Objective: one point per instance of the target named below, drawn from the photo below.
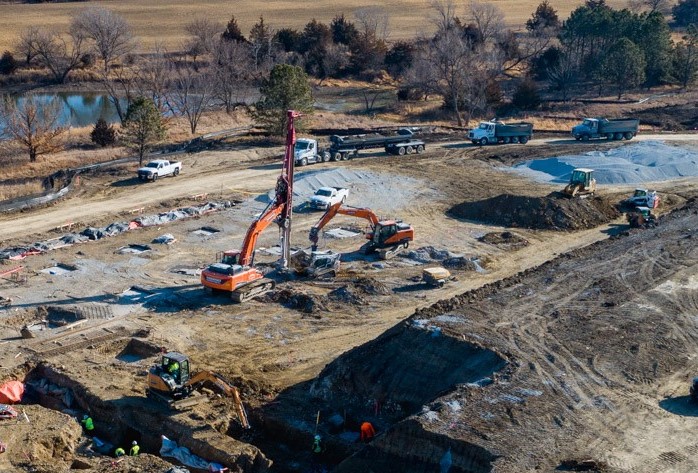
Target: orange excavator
(173, 382)
(235, 273)
(387, 237)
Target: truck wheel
(506, 140)
(523, 139)
(420, 149)
(336, 157)
(155, 177)
(609, 136)
(618, 136)
(176, 172)
(483, 142)
(628, 135)
(345, 156)
(409, 150)
(401, 151)
(304, 162)
(585, 137)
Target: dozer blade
(254, 289)
(194, 399)
(387, 253)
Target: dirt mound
(344, 295)
(505, 240)
(371, 286)
(552, 212)
(306, 303)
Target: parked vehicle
(307, 152)
(582, 183)
(611, 129)
(325, 197)
(644, 198)
(159, 168)
(499, 132)
(344, 147)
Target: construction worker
(119, 452)
(88, 423)
(173, 369)
(134, 449)
(317, 450)
(367, 432)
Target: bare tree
(110, 33)
(121, 84)
(372, 23)
(564, 74)
(488, 19)
(191, 93)
(27, 43)
(661, 6)
(232, 70)
(34, 126)
(205, 34)
(59, 54)
(444, 14)
(153, 78)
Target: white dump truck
(159, 168)
(326, 197)
(496, 131)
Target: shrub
(526, 96)
(88, 60)
(8, 65)
(103, 134)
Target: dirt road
(214, 173)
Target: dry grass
(12, 191)
(163, 20)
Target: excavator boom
(201, 377)
(338, 208)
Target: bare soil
(563, 350)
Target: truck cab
(484, 130)
(306, 152)
(587, 129)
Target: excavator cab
(231, 257)
(176, 365)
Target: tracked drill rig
(235, 273)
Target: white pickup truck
(159, 168)
(326, 197)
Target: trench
(120, 421)
(387, 382)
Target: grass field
(163, 20)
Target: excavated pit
(385, 382)
(122, 419)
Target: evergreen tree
(103, 134)
(287, 88)
(143, 126)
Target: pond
(76, 108)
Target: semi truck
(307, 152)
(401, 143)
(611, 129)
(496, 131)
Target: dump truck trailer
(611, 129)
(401, 143)
(499, 132)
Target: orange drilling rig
(235, 273)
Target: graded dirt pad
(553, 212)
(598, 345)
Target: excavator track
(254, 289)
(390, 252)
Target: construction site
(484, 315)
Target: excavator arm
(202, 377)
(338, 208)
(266, 218)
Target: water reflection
(76, 109)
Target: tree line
(472, 60)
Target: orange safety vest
(367, 431)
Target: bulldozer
(172, 381)
(582, 183)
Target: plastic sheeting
(92, 233)
(171, 449)
(11, 392)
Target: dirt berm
(597, 344)
(552, 212)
